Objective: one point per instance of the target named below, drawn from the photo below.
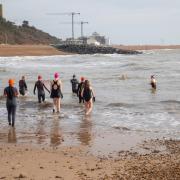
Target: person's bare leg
(90, 106)
(58, 104)
(54, 104)
(86, 106)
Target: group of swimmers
(83, 90)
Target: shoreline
(24, 161)
(47, 50)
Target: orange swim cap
(11, 82)
(82, 78)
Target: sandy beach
(147, 47)
(29, 50)
(29, 162)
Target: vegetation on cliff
(24, 34)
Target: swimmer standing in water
(56, 92)
(88, 96)
(40, 88)
(153, 82)
(22, 86)
(11, 94)
(74, 83)
(79, 90)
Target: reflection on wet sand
(12, 135)
(55, 133)
(85, 135)
(40, 133)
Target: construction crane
(72, 15)
(82, 23)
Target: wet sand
(32, 162)
(29, 50)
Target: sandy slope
(29, 50)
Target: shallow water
(128, 106)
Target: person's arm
(5, 92)
(60, 83)
(25, 85)
(82, 92)
(51, 85)
(78, 88)
(35, 88)
(16, 93)
(94, 98)
(46, 88)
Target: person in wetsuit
(40, 88)
(56, 92)
(88, 96)
(11, 93)
(22, 86)
(74, 83)
(79, 90)
(153, 82)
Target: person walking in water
(153, 82)
(88, 96)
(11, 93)
(79, 90)
(74, 83)
(22, 86)
(56, 92)
(40, 88)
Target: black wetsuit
(79, 91)
(74, 83)
(41, 93)
(87, 94)
(153, 85)
(56, 90)
(22, 87)
(11, 103)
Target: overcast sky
(123, 21)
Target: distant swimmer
(11, 94)
(40, 88)
(153, 82)
(56, 92)
(74, 83)
(22, 86)
(123, 77)
(79, 90)
(89, 97)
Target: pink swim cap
(56, 75)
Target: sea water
(121, 104)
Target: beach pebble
(3, 177)
(21, 175)
(58, 177)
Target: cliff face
(25, 34)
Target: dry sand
(147, 47)
(29, 50)
(41, 163)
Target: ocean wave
(170, 102)
(120, 105)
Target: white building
(97, 39)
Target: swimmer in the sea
(153, 82)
